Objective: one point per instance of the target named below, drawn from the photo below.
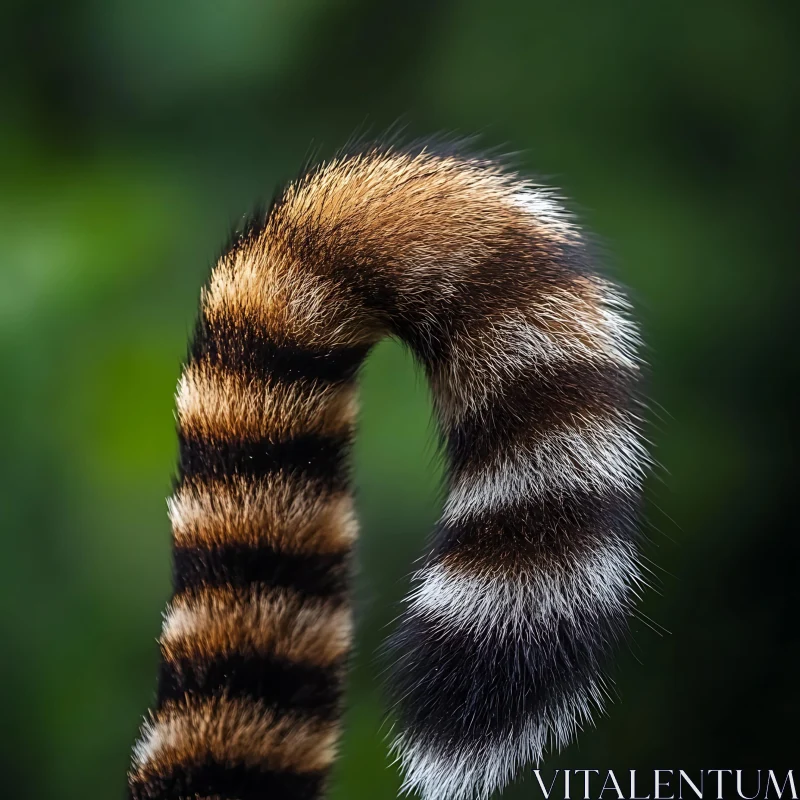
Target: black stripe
(242, 566)
(544, 528)
(228, 782)
(454, 688)
(432, 322)
(241, 345)
(535, 403)
(311, 455)
(277, 683)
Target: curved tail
(532, 568)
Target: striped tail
(532, 569)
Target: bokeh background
(134, 134)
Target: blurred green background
(134, 134)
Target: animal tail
(532, 569)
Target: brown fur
(279, 622)
(215, 403)
(238, 732)
(276, 511)
(361, 208)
